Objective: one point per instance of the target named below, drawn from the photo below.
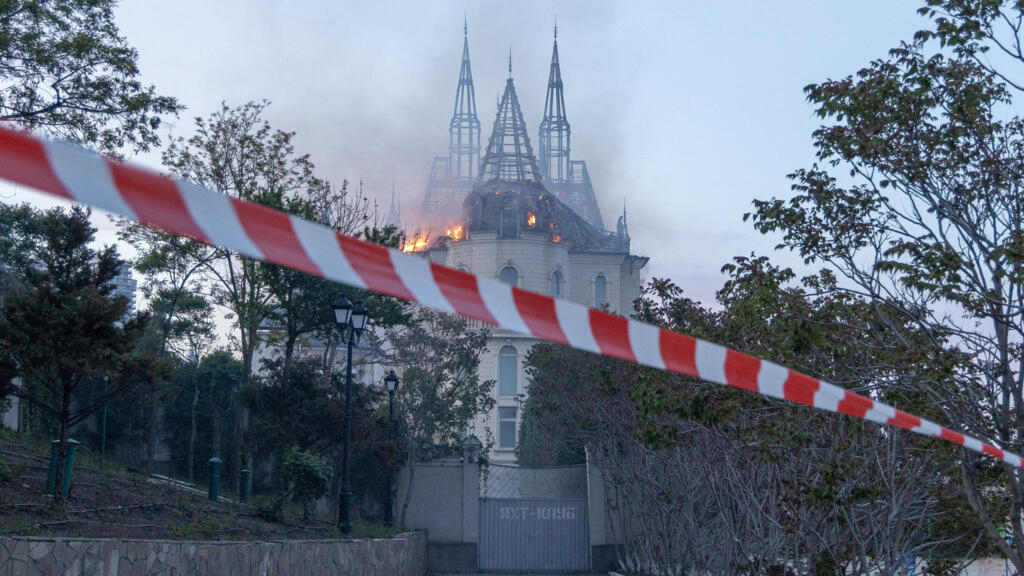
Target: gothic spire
(464, 131)
(394, 217)
(554, 127)
(509, 156)
(567, 178)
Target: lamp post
(391, 381)
(352, 320)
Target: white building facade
(514, 228)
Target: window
(508, 369)
(506, 427)
(509, 221)
(556, 283)
(509, 275)
(600, 291)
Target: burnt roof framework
(509, 156)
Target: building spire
(567, 178)
(509, 156)
(554, 132)
(464, 131)
(394, 217)
(452, 176)
(510, 61)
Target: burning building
(534, 226)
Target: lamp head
(342, 310)
(360, 318)
(391, 381)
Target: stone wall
(403, 555)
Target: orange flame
(556, 238)
(531, 219)
(454, 233)
(415, 245)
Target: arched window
(507, 371)
(509, 275)
(556, 282)
(600, 291)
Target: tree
(715, 480)
(188, 335)
(236, 152)
(927, 226)
(307, 475)
(62, 328)
(67, 70)
(440, 390)
(200, 424)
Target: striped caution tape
(273, 236)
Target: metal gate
(536, 535)
(534, 520)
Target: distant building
(535, 227)
(125, 285)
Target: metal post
(243, 493)
(214, 479)
(103, 425)
(345, 502)
(70, 466)
(389, 514)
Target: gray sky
(687, 109)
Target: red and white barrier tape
(260, 232)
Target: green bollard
(70, 466)
(214, 479)
(51, 475)
(243, 493)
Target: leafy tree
(62, 328)
(307, 475)
(236, 152)
(189, 336)
(67, 70)
(440, 391)
(924, 222)
(202, 427)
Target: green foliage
(308, 476)
(440, 391)
(915, 205)
(373, 530)
(270, 508)
(299, 405)
(62, 300)
(67, 70)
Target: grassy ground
(115, 502)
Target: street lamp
(391, 381)
(352, 320)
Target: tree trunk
(151, 432)
(216, 437)
(192, 430)
(62, 456)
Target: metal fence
(568, 482)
